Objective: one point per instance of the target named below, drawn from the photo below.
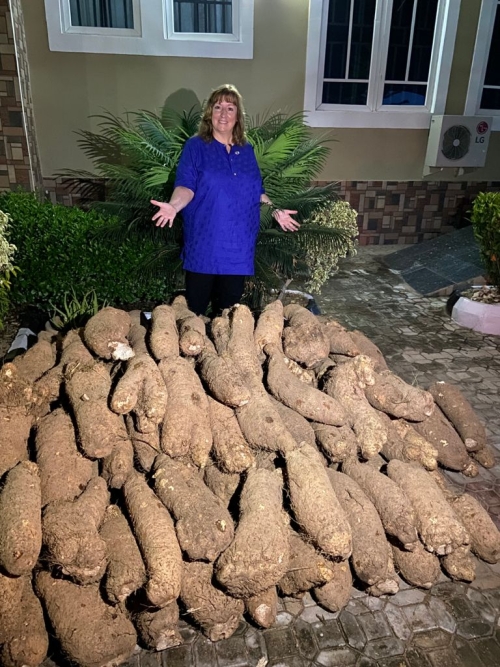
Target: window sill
(390, 120)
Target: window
(102, 14)
(199, 28)
(203, 16)
(378, 63)
(483, 96)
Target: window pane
(399, 40)
(102, 13)
(361, 39)
(207, 16)
(493, 69)
(423, 39)
(404, 93)
(345, 93)
(490, 98)
(413, 23)
(337, 39)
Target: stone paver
(451, 625)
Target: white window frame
(479, 64)
(389, 116)
(153, 33)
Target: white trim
(480, 62)
(153, 33)
(389, 116)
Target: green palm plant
(137, 156)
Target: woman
(218, 187)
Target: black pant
(223, 291)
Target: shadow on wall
(183, 100)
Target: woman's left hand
(284, 219)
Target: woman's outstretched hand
(165, 214)
(284, 219)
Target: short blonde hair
(225, 93)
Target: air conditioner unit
(458, 141)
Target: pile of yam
(173, 468)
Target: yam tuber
(263, 607)
(163, 336)
(370, 548)
(203, 525)
(120, 463)
(452, 453)
(460, 564)
(222, 377)
(158, 628)
(221, 484)
(389, 585)
(484, 535)
(215, 612)
(315, 505)
(345, 383)
(460, 413)
(230, 449)
(304, 339)
(106, 334)
(418, 567)
(304, 399)
(269, 327)
(70, 533)
(405, 444)
(64, 472)
(297, 425)
(484, 456)
(258, 556)
(368, 348)
(191, 328)
(36, 361)
(20, 519)
(392, 505)
(88, 387)
(26, 642)
(307, 568)
(125, 572)
(262, 425)
(141, 389)
(15, 427)
(395, 397)
(439, 529)
(90, 632)
(220, 332)
(340, 340)
(241, 346)
(186, 428)
(338, 443)
(335, 595)
(155, 534)
(146, 446)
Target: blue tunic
(221, 222)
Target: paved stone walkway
(453, 625)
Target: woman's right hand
(165, 215)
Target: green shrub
(486, 224)
(7, 269)
(59, 252)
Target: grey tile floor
(452, 625)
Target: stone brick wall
(389, 212)
(392, 212)
(19, 157)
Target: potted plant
(478, 308)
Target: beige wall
(69, 87)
